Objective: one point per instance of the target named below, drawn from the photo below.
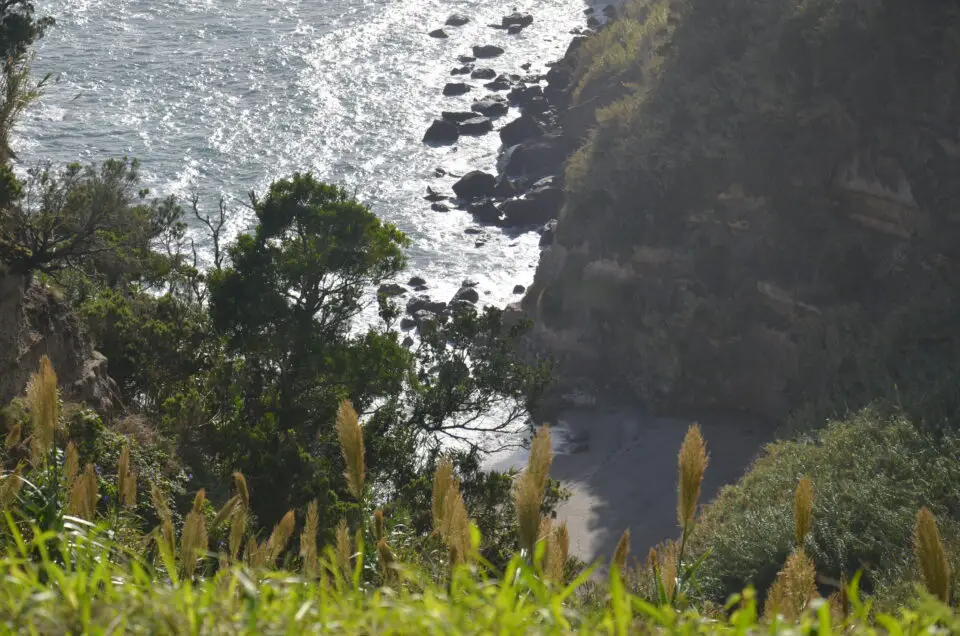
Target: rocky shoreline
(525, 193)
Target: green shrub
(870, 475)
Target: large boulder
(524, 93)
(490, 107)
(521, 20)
(457, 20)
(441, 131)
(458, 116)
(424, 303)
(391, 290)
(502, 83)
(486, 51)
(511, 161)
(536, 106)
(476, 126)
(485, 212)
(483, 74)
(456, 88)
(522, 128)
(523, 211)
(541, 204)
(475, 184)
(468, 294)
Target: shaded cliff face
(766, 213)
(33, 323)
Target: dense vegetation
(273, 464)
(77, 561)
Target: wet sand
(621, 467)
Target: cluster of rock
(527, 188)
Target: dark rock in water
(485, 212)
(517, 19)
(424, 303)
(438, 33)
(523, 94)
(504, 188)
(433, 195)
(407, 323)
(490, 107)
(536, 106)
(549, 197)
(420, 288)
(458, 116)
(473, 230)
(498, 84)
(610, 11)
(520, 129)
(439, 172)
(476, 126)
(526, 66)
(514, 30)
(416, 281)
(474, 185)
(461, 70)
(541, 204)
(424, 319)
(469, 282)
(408, 341)
(391, 290)
(441, 131)
(456, 88)
(457, 20)
(511, 161)
(466, 59)
(486, 51)
(593, 22)
(548, 233)
(479, 244)
(543, 157)
(589, 10)
(523, 211)
(483, 73)
(468, 294)
(439, 207)
(519, 289)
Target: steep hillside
(765, 214)
(33, 323)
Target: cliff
(764, 212)
(33, 323)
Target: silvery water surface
(218, 97)
(221, 96)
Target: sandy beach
(620, 466)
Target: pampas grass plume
(931, 555)
(351, 444)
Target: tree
(82, 218)
(285, 306)
(19, 29)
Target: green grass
(96, 591)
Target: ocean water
(218, 97)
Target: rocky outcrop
(34, 323)
(801, 251)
